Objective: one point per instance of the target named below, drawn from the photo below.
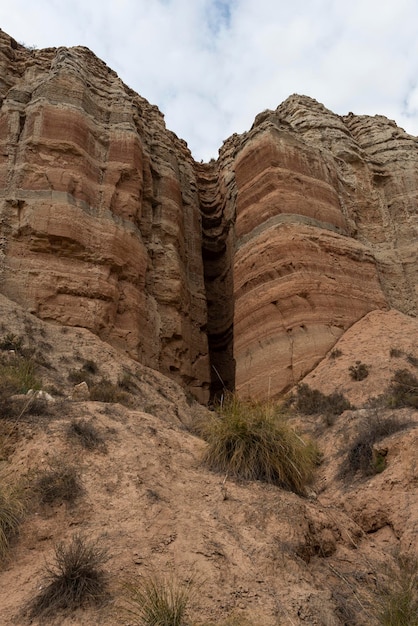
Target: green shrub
(11, 511)
(399, 599)
(252, 441)
(361, 457)
(312, 401)
(60, 482)
(158, 601)
(86, 434)
(74, 580)
(404, 389)
(359, 371)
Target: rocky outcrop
(100, 212)
(325, 232)
(241, 273)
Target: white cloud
(212, 65)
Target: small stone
(81, 391)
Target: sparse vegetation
(105, 391)
(60, 482)
(396, 353)
(90, 366)
(85, 374)
(403, 390)
(359, 371)
(17, 375)
(127, 382)
(253, 441)
(79, 376)
(86, 434)
(158, 601)
(361, 457)
(11, 342)
(413, 360)
(75, 579)
(7, 407)
(11, 511)
(312, 401)
(38, 406)
(399, 599)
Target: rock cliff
(242, 272)
(326, 227)
(100, 211)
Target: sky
(212, 65)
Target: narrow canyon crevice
(303, 225)
(217, 255)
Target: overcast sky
(212, 65)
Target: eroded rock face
(326, 228)
(241, 273)
(216, 190)
(100, 211)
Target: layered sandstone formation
(326, 226)
(99, 211)
(239, 273)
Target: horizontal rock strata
(326, 228)
(240, 273)
(100, 212)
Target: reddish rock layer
(326, 231)
(100, 211)
(260, 260)
(297, 289)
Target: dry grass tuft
(86, 434)
(253, 441)
(404, 389)
(312, 401)
(90, 366)
(11, 342)
(361, 457)
(159, 601)
(11, 512)
(359, 371)
(75, 579)
(399, 600)
(106, 391)
(60, 482)
(17, 375)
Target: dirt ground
(247, 550)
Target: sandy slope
(252, 549)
